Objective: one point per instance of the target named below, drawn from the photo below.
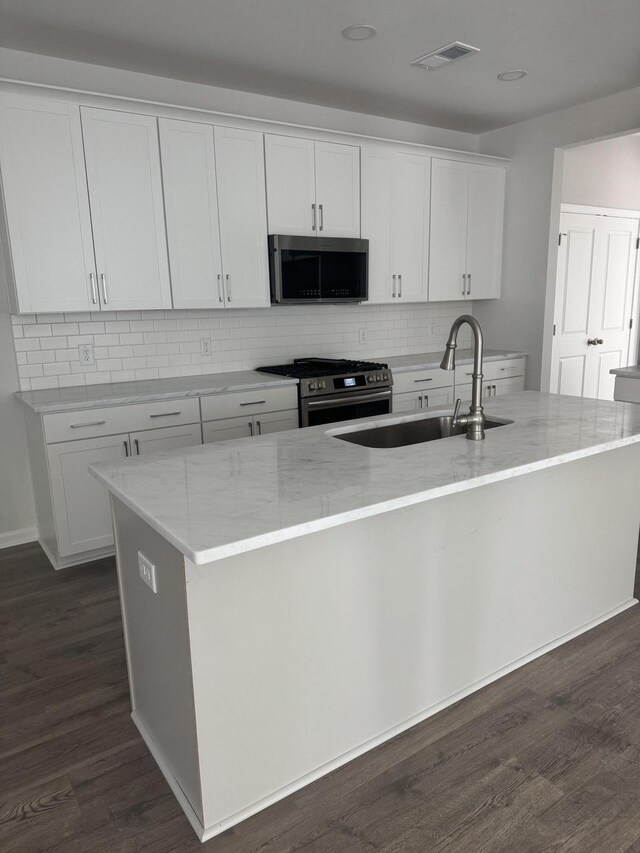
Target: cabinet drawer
(493, 369)
(89, 423)
(249, 403)
(421, 380)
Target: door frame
(552, 270)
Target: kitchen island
(314, 597)
(627, 383)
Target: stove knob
(312, 386)
(322, 384)
(369, 378)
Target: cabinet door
(484, 231)
(377, 177)
(243, 217)
(165, 438)
(46, 203)
(437, 397)
(291, 193)
(125, 192)
(275, 422)
(506, 386)
(449, 182)
(338, 189)
(80, 503)
(226, 429)
(410, 402)
(410, 226)
(191, 206)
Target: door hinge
(637, 242)
(631, 323)
(554, 329)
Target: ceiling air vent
(444, 55)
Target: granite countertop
(217, 500)
(631, 372)
(148, 390)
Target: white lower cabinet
(167, 438)
(500, 377)
(80, 503)
(414, 401)
(244, 427)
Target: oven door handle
(345, 400)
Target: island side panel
(158, 648)
(308, 652)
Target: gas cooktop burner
(310, 368)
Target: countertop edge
(242, 546)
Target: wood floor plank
(546, 760)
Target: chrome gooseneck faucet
(475, 420)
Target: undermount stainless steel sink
(417, 431)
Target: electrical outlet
(205, 346)
(86, 354)
(363, 336)
(147, 572)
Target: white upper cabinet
(191, 206)
(312, 187)
(122, 155)
(466, 231)
(243, 217)
(395, 220)
(49, 250)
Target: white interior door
(291, 185)
(47, 205)
(242, 208)
(127, 211)
(338, 189)
(594, 297)
(410, 226)
(191, 205)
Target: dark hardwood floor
(547, 759)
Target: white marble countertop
(122, 393)
(51, 400)
(631, 372)
(217, 500)
(402, 363)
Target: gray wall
(604, 174)
(532, 212)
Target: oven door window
(323, 275)
(348, 412)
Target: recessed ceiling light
(508, 76)
(359, 32)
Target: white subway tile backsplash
(133, 345)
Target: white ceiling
(574, 50)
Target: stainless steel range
(338, 389)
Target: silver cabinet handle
(420, 401)
(508, 368)
(394, 286)
(464, 284)
(469, 284)
(259, 425)
(426, 397)
(423, 380)
(321, 228)
(126, 448)
(313, 218)
(103, 282)
(228, 287)
(137, 446)
(94, 289)
(220, 296)
(254, 403)
(87, 424)
(250, 427)
(166, 414)
(400, 286)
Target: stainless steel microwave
(317, 269)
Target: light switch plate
(147, 572)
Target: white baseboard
(18, 537)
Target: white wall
(17, 513)
(604, 174)
(532, 211)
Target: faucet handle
(456, 410)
